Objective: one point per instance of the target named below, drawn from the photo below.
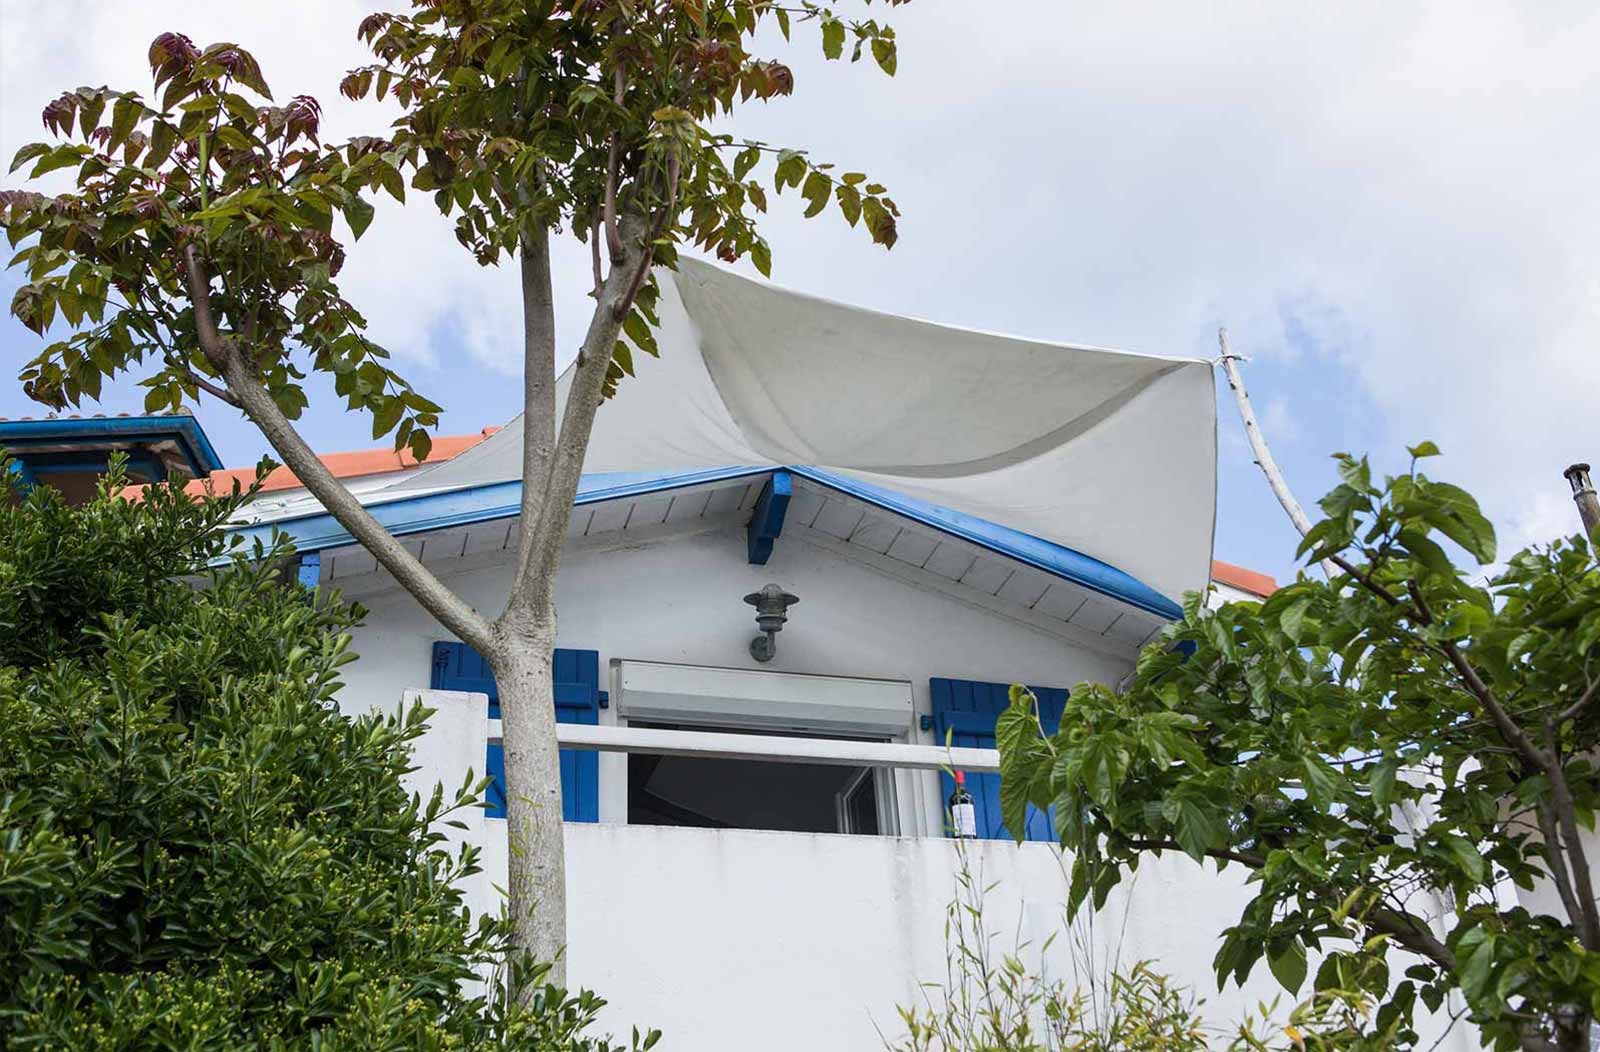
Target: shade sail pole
(1258, 446)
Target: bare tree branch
(538, 397)
(1578, 706)
(201, 383)
(257, 403)
(577, 422)
(1588, 917)
(1258, 444)
(1558, 865)
(663, 218)
(1364, 578)
(1413, 933)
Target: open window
(741, 793)
(717, 793)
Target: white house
(756, 844)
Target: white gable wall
(679, 598)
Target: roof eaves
(314, 530)
(183, 428)
(1055, 559)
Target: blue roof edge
(191, 437)
(318, 530)
(1055, 559)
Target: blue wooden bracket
(766, 522)
(311, 569)
(24, 475)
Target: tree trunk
(537, 884)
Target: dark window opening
(720, 793)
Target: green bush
(196, 850)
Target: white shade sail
(1108, 453)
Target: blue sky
(1390, 205)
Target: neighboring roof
(353, 464)
(1244, 580)
(67, 433)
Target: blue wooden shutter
(967, 711)
(457, 666)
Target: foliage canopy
(1392, 754)
(197, 850)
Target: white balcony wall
(791, 942)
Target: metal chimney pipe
(1583, 496)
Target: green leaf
(1195, 827)
(1355, 472)
(849, 203)
(1467, 854)
(883, 51)
(1014, 807)
(1287, 959)
(1381, 781)
(1423, 449)
(1292, 621)
(358, 213)
(1458, 517)
(1424, 550)
(124, 115)
(1321, 784)
(28, 153)
(1102, 763)
(389, 176)
(421, 444)
(59, 157)
(816, 192)
(1462, 620)
(745, 160)
(386, 415)
(761, 256)
(163, 137)
(832, 38)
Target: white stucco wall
(786, 941)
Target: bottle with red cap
(963, 813)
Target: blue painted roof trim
(316, 530)
(436, 511)
(1055, 559)
(191, 439)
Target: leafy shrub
(1395, 756)
(196, 850)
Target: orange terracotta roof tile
(352, 464)
(1251, 581)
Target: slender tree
(197, 247)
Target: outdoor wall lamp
(772, 605)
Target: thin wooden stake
(1258, 445)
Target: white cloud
(1408, 187)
